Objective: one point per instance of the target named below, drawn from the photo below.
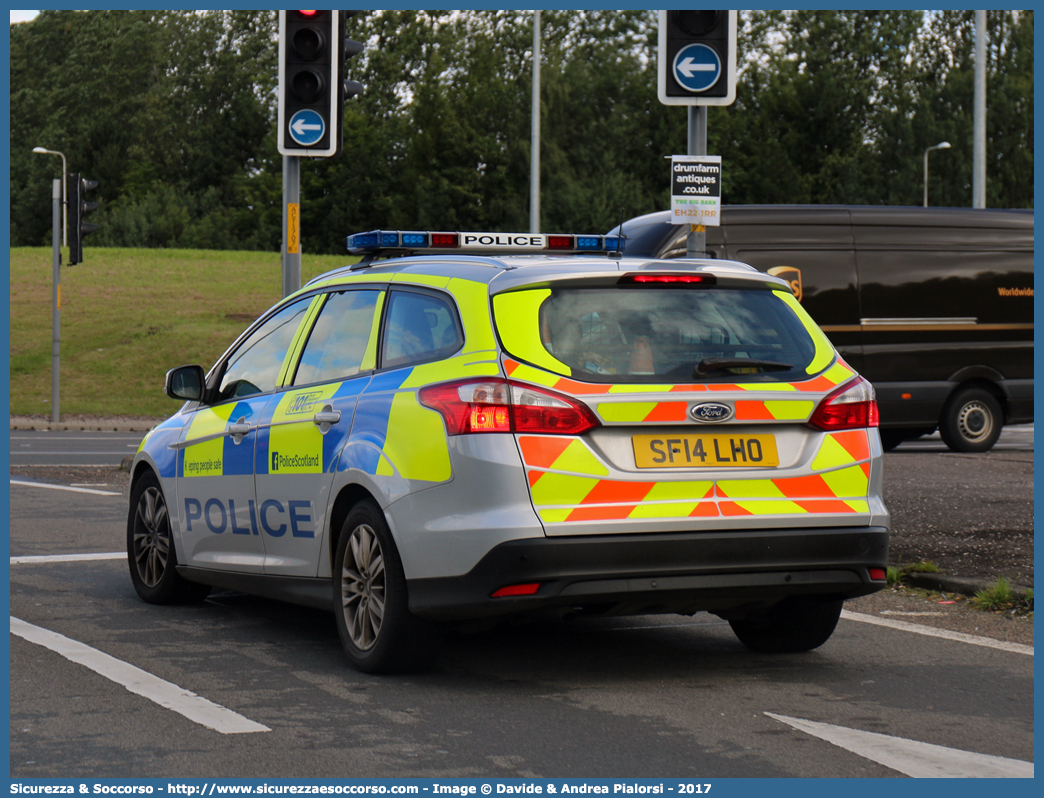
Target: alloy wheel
(363, 587)
(151, 537)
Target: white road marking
(111, 436)
(49, 453)
(911, 757)
(166, 694)
(921, 614)
(105, 555)
(65, 465)
(65, 487)
(932, 631)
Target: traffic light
(312, 88)
(75, 193)
(697, 57)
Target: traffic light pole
(291, 224)
(696, 242)
(56, 294)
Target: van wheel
(971, 421)
(150, 549)
(799, 623)
(378, 633)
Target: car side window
(254, 366)
(419, 328)
(337, 343)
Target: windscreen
(664, 334)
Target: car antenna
(618, 253)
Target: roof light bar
(377, 241)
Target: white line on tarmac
(53, 453)
(932, 631)
(911, 757)
(105, 555)
(65, 487)
(166, 694)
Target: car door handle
(238, 430)
(325, 418)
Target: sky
(23, 16)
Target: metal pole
(65, 198)
(65, 204)
(56, 294)
(696, 241)
(534, 160)
(291, 224)
(979, 116)
(926, 176)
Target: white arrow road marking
(688, 66)
(166, 694)
(931, 631)
(300, 126)
(65, 487)
(913, 758)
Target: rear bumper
(1020, 400)
(723, 571)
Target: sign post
(697, 68)
(56, 296)
(291, 224)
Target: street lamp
(65, 199)
(942, 146)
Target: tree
(152, 105)
(173, 113)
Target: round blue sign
(697, 67)
(307, 127)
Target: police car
(470, 426)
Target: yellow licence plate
(705, 451)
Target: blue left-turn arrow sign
(307, 127)
(697, 67)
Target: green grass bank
(129, 315)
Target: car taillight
(517, 590)
(498, 405)
(852, 406)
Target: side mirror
(185, 383)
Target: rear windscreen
(660, 335)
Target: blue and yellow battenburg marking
(162, 444)
(208, 450)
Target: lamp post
(58, 197)
(65, 199)
(534, 137)
(945, 145)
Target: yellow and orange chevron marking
(653, 412)
(567, 483)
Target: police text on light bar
(425, 241)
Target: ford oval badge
(710, 411)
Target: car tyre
(971, 421)
(371, 604)
(151, 555)
(799, 623)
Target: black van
(933, 305)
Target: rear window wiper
(709, 364)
